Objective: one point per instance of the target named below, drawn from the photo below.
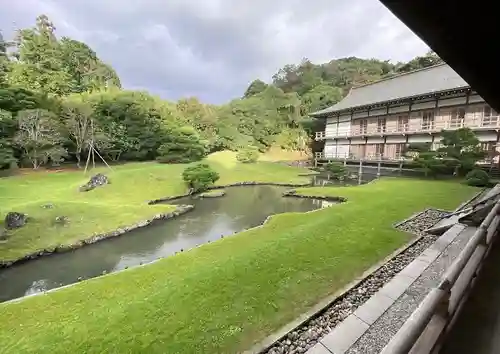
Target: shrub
(199, 177)
(337, 170)
(477, 178)
(248, 155)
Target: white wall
(344, 128)
(395, 139)
(335, 149)
(419, 138)
(331, 129)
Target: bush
(182, 145)
(477, 178)
(248, 155)
(337, 170)
(199, 177)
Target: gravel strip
(310, 332)
(386, 327)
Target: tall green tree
(461, 148)
(255, 87)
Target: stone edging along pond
(238, 184)
(180, 209)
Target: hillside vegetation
(57, 98)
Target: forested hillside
(57, 97)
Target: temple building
(376, 121)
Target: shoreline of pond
(179, 210)
(190, 207)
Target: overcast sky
(214, 48)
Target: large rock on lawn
(95, 181)
(15, 220)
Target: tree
(420, 62)
(182, 145)
(199, 177)
(461, 149)
(39, 63)
(255, 87)
(86, 71)
(337, 170)
(39, 137)
(428, 161)
(4, 61)
(7, 130)
(79, 121)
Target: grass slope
(122, 203)
(226, 295)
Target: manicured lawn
(122, 203)
(226, 295)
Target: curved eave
(396, 102)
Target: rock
(48, 206)
(213, 194)
(3, 234)
(15, 220)
(61, 220)
(95, 181)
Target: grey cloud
(214, 48)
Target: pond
(241, 208)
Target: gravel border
(311, 329)
(179, 210)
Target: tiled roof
(433, 79)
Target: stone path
(372, 325)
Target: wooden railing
(425, 327)
(369, 157)
(484, 123)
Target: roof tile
(432, 79)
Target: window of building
(363, 126)
(362, 151)
(403, 123)
(381, 125)
(400, 150)
(379, 150)
(428, 120)
(488, 146)
(457, 117)
(490, 117)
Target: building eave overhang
(395, 102)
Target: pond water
(241, 208)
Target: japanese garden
(141, 224)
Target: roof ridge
(398, 75)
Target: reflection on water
(241, 208)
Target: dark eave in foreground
(464, 34)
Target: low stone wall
(181, 209)
(238, 184)
(293, 193)
(304, 333)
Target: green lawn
(121, 203)
(229, 294)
